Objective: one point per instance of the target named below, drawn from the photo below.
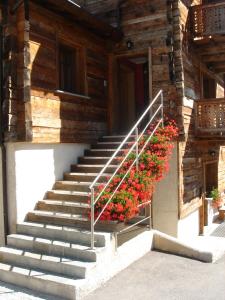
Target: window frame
(80, 68)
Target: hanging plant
(138, 186)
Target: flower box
(110, 226)
(212, 212)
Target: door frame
(202, 208)
(113, 92)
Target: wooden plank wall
(193, 153)
(61, 117)
(13, 104)
(162, 25)
(221, 170)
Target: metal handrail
(138, 153)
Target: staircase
(50, 252)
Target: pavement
(160, 276)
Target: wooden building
(74, 71)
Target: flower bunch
(134, 187)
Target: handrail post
(92, 217)
(137, 150)
(162, 112)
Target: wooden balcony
(207, 20)
(210, 118)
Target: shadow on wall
(32, 171)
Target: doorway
(208, 87)
(210, 183)
(133, 91)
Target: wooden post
(150, 73)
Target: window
(68, 69)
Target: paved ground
(160, 276)
(156, 276)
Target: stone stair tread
(108, 143)
(81, 183)
(53, 242)
(35, 273)
(95, 157)
(86, 173)
(47, 258)
(104, 150)
(115, 136)
(77, 217)
(96, 165)
(65, 203)
(62, 232)
(78, 193)
(61, 227)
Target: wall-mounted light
(130, 45)
(212, 153)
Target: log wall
(163, 26)
(34, 109)
(61, 117)
(193, 152)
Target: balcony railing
(210, 117)
(207, 20)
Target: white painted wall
(32, 169)
(2, 232)
(189, 226)
(165, 199)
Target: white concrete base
(172, 245)
(188, 227)
(165, 199)
(113, 262)
(32, 169)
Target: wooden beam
(214, 57)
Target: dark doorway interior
(133, 85)
(209, 88)
(211, 177)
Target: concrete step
(88, 177)
(63, 206)
(63, 195)
(116, 138)
(43, 282)
(57, 218)
(69, 185)
(110, 145)
(102, 152)
(65, 219)
(55, 264)
(92, 168)
(72, 186)
(52, 247)
(96, 160)
(61, 233)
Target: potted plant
(217, 200)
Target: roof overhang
(81, 17)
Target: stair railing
(154, 119)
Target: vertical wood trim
(150, 73)
(111, 79)
(202, 208)
(86, 91)
(57, 60)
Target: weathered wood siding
(193, 153)
(14, 79)
(61, 117)
(221, 170)
(163, 26)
